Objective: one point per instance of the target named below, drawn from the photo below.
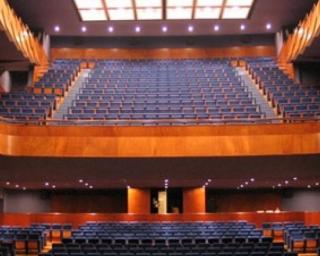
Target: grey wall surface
(301, 200)
(26, 201)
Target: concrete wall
(5, 81)
(26, 201)
(301, 200)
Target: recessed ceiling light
(252, 179)
(88, 4)
(166, 180)
(268, 26)
(317, 184)
(56, 28)
(46, 184)
(8, 183)
(190, 28)
(137, 29)
(53, 186)
(24, 188)
(110, 29)
(83, 28)
(216, 28)
(80, 180)
(164, 29)
(295, 178)
(309, 186)
(209, 180)
(86, 184)
(243, 27)
(128, 187)
(91, 187)
(206, 184)
(279, 185)
(17, 186)
(241, 186)
(286, 182)
(203, 186)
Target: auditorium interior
(160, 127)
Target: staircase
(256, 94)
(71, 95)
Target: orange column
(194, 200)
(139, 201)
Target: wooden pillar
(139, 201)
(194, 200)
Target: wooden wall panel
(139, 201)
(236, 140)
(78, 219)
(194, 200)
(163, 53)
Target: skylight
(104, 10)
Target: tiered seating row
(291, 99)
(58, 78)
(26, 106)
(163, 89)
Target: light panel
(121, 14)
(235, 12)
(148, 3)
(118, 3)
(179, 13)
(239, 2)
(210, 3)
(179, 3)
(149, 13)
(207, 13)
(93, 15)
(88, 4)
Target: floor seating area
(207, 238)
(17, 240)
(292, 100)
(297, 236)
(168, 238)
(191, 90)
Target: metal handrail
(158, 122)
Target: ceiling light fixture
(190, 28)
(268, 26)
(57, 28)
(84, 29)
(164, 29)
(243, 27)
(110, 29)
(137, 29)
(216, 28)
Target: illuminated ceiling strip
(117, 10)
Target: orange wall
(194, 200)
(163, 53)
(78, 219)
(139, 201)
